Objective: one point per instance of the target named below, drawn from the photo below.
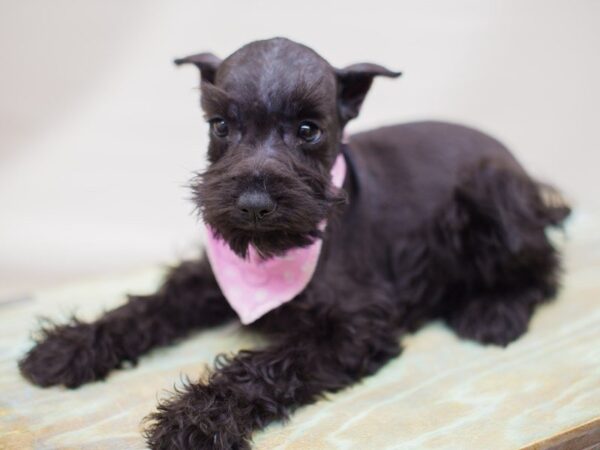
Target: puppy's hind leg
(76, 353)
(506, 265)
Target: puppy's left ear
(207, 63)
(353, 84)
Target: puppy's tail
(556, 208)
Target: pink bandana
(253, 286)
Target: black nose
(256, 204)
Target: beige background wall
(99, 132)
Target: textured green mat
(441, 393)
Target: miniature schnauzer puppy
(334, 247)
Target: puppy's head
(276, 112)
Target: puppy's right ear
(207, 63)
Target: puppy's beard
(288, 228)
(268, 244)
(304, 196)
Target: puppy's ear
(207, 63)
(353, 84)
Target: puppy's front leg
(247, 392)
(76, 353)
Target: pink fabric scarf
(254, 286)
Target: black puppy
(433, 221)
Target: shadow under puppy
(334, 249)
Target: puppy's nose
(256, 204)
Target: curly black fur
(76, 353)
(440, 222)
(328, 349)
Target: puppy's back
(414, 167)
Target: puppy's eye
(219, 127)
(309, 132)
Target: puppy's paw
(198, 417)
(69, 355)
(491, 321)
